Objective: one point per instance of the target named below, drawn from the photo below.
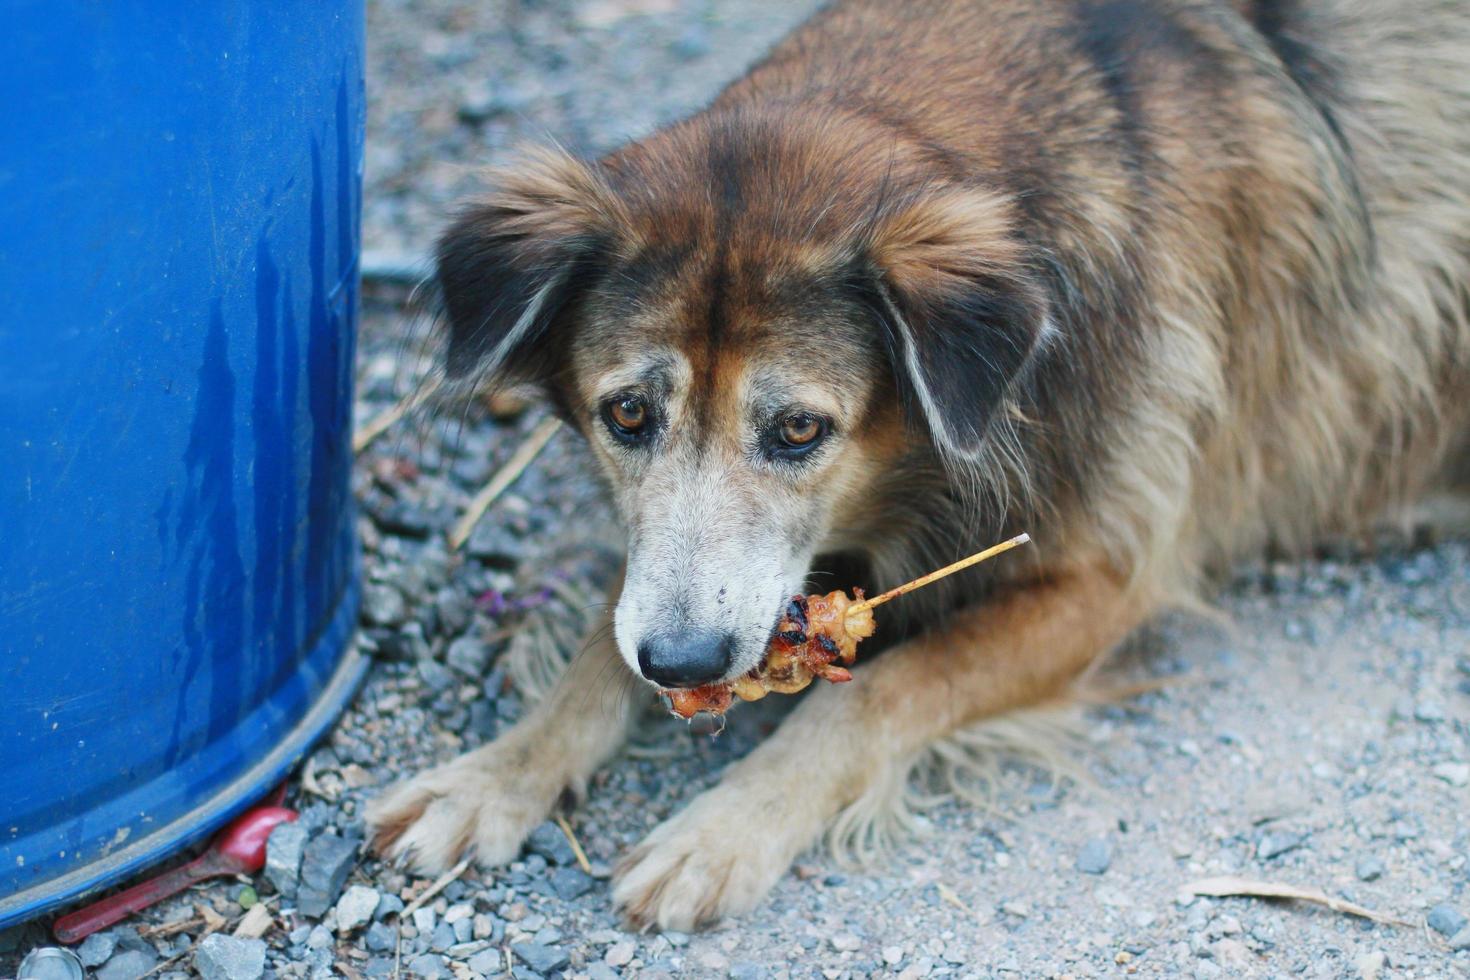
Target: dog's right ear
(514, 261)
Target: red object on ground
(239, 849)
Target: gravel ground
(1323, 741)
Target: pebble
(619, 954)
(283, 851)
(428, 965)
(1370, 965)
(96, 948)
(845, 942)
(570, 883)
(1095, 856)
(442, 938)
(388, 904)
(892, 955)
(128, 965)
(424, 918)
(1370, 868)
(1454, 773)
(381, 938)
(325, 865)
(487, 963)
(383, 604)
(1273, 844)
(320, 937)
(548, 841)
(437, 676)
(221, 957)
(542, 959)
(1446, 920)
(356, 907)
(1461, 939)
(469, 655)
(746, 970)
(1429, 712)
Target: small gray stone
(489, 963)
(469, 655)
(128, 965)
(1461, 939)
(464, 930)
(1429, 712)
(381, 938)
(1095, 856)
(96, 949)
(1276, 843)
(435, 674)
(324, 869)
(356, 907)
(442, 938)
(221, 957)
(1446, 920)
(548, 841)
(320, 937)
(428, 965)
(600, 971)
(283, 857)
(570, 883)
(747, 971)
(1370, 868)
(380, 967)
(389, 904)
(542, 959)
(383, 605)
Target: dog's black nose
(686, 659)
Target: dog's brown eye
(626, 417)
(796, 435)
(801, 429)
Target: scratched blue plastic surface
(179, 199)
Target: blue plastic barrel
(179, 198)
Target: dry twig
(386, 419)
(566, 828)
(440, 883)
(1230, 885)
(513, 468)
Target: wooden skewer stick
(513, 468)
(387, 418)
(923, 580)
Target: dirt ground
(1321, 739)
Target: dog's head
(752, 329)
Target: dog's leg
(488, 800)
(725, 851)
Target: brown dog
(1161, 282)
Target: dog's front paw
(487, 802)
(718, 857)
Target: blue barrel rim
(247, 789)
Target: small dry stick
(923, 580)
(507, 475)
(387, 418)
(1221, 887)
(566, 828)
(440, 883)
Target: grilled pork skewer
(816, 637)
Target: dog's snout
(686, 659)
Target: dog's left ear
(960, 312)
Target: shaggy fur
(1163, 282)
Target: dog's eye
(799, 433)
(626, 417)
